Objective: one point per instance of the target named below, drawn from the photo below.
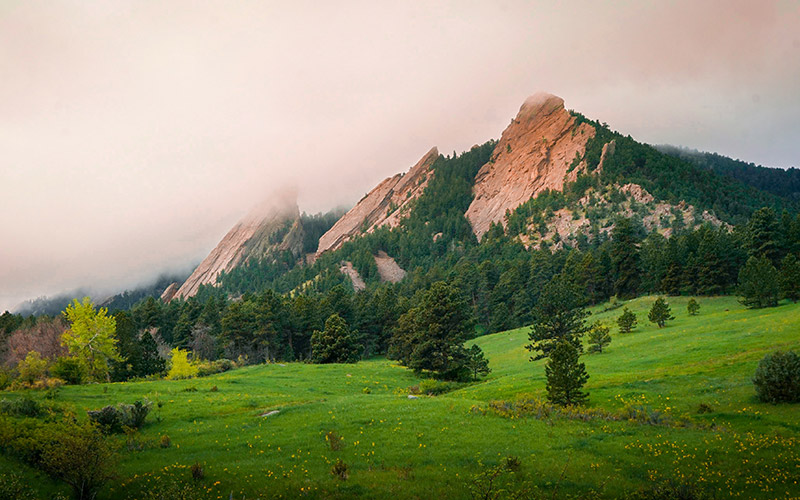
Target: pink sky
(133, 134)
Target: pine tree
(626, 321)
(660, 313)
(558, 315)
(336, 343)
(565, 375)
(693, 307)
(598, 337)
(759, 283)
(625, 256)
(477, 362)
(151, 362)
(761, 235)
(790, 278)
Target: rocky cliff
(272, 226)
(534, 153)
(386, 204)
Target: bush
(197, 471)
(23, 407)
(116, 418)
(434, 387)
(206, 368)
(165, 441)
(70, 370)
(777, 378)
(180, 366)
(334, 440)
(6, 377)
(32, 368)
(339, 470)
(13, 487)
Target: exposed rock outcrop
(347, 269)
(388, 269)
(253, 236)
(387, 204)
(170, 292)
(534, 153)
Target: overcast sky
(133, 134)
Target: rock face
(387, 204)
(534, 153)
(273, 225)
(346, 268)
(170, 292)
(388, 269)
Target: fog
(134, 134)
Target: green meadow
(266, 431)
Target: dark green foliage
(778, 181)
(557, 316)
(22, 407)
(565, 375)
(625, 257)
(70, 370)
(477, 362)
(693, 307)
(430, 337)
(673, 179)
(777, 378)
(626, 321)
(762, 235)
(759, 283)
(660, 313)
(598, 337)
(117, 418)
(336, 343)
(790, 278)
(13, 487)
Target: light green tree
(180, 366)
(91, 337)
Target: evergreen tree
(565, 375)
(660, 313)
(693, 307)
(790, 278)
(759, 283)
(598, 337)
(477, 362)
(625, 256)
(626, 321)
(336, 343)
(761, 235)
(431, 336)
(130, 349)
(151, 363)
(558, 315)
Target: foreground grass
(434, 446)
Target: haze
(134, 134)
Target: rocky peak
(272, 225)
(534, 153)
(386, 205)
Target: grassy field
(438, 446)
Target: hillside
(438, 446)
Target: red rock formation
(248, 238)
(387, 204)
(533, 154)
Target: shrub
(180, 366)
(6, 378)
(206, 368)
(197, 471)
(13, 487)
(23, 407)
(165, 441)
(70, 370)
(512, 463)
(32, 368)
(693, 307)
(115, 418)
(777, 378)
(214, 389)
(339, 470)
(434, 387)
(334, 440)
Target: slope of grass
(434, 446)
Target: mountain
(385, 205)
(270, 228)
(554, 178)
(533, 154)
(778, 181)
